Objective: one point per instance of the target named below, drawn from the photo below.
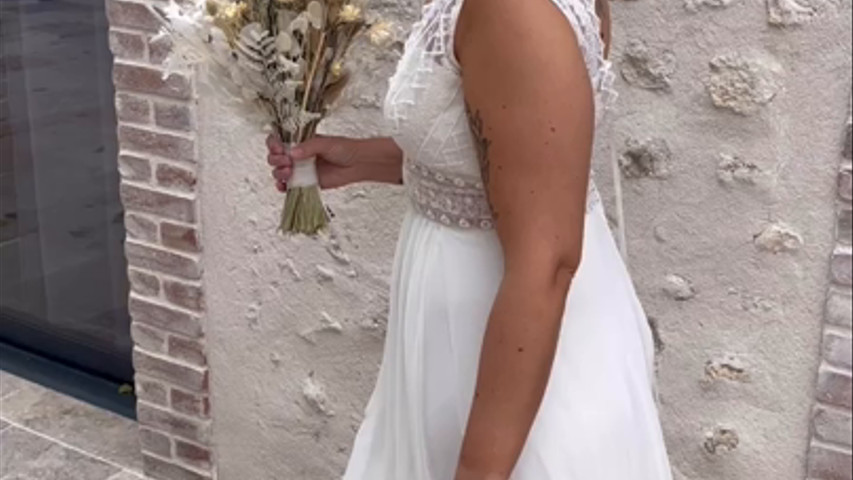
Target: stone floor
(45, 435)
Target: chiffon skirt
(598, 419)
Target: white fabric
(598, 420)
(304, 173)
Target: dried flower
(284, 42)
(212, 7)
(233, 11)
(337, 70)
(228, 17)
(300, 24)
(349, 14)
(381, 33)
(316, 13)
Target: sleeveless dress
(598, 419)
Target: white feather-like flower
(349, 13)
(381, 33)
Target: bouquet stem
(304, 212)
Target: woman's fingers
(312, 147)
(281, 186)
(277, 153)
(282, 174)
(279, 160)
(275, 145)
(336, 150)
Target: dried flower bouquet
(281, 62)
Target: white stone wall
(729, 127)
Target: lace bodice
(426, 106)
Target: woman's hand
(340, 161)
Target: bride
(516, 346)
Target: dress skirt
(598, 419)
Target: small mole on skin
(503, 107)
(553, 130)
(520, 349)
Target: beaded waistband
(454, 201)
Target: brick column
(157, 161)
(832, 426)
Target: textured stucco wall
(730, 213)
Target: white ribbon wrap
(304, 173)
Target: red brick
(139, 79)
(151, 391)
(192, 429)
(833, 426)
(189, 377)
(131, 15)
(844, 225)
(140, 228)
(839, 308)
(151, 339)
(188, 350)
(164, 318)
(845, 184)
(842, 266)
(156, 143)
(190, 404)
(826, 464)
(176, 117)
(183, 295)
(127, 46)
(157, 203)
(158, 49)
(143, 283)
(159, 469)
(134, 169)
(162, 261)
(133, 109)
(838, 350)
(835, 388)
(176, 178)
(193, 455)
(157, 260)
(155, 442)
(179, 237)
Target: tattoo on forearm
(482, 143)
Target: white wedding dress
(598, 420)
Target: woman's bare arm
(532, 112)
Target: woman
(509, 355)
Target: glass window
(63, 286)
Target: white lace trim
(434, 35)
(455, 200)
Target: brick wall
(832, 424)
(158, 166)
